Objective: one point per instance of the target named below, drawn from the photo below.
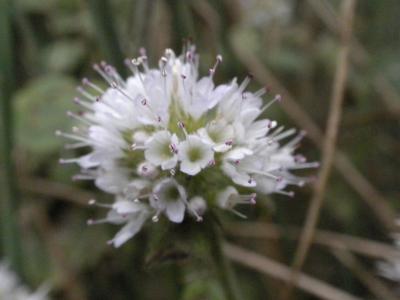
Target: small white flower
(169, 197)
(131, 213)
(219, 134)
(229, 198)
(161, 150)
(194, 155)
(148, 170)
(198, 205)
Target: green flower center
(194, 154)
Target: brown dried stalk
(375, 285)
(333, 240)
(277, 270)
(329, 145)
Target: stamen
(87, 82)
(173, 148)
(94, 202)
(181, 125)
(79, 118)
(75, 145)
(97, 68)
(214, 68)
(134, 147)
(305, 165)
(286, 193)
(239, 214)
(266, 106)
(86, 94)
(114, 85)
(285, 134)
(244, 84)
(164, 62)
(260, 92)
(267, 174)
(212, 163)
(146, 104)
(83, 177)
(296, 140)
(83, 103)
(271, 124)
(72, 136)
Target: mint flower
(169, 143)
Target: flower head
(166, 142)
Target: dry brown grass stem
(374, 285)
(372, 197)
(333, 240)
(277, 270)
(57, 190)
(329, 145)
(360, 55)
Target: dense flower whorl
(165, 141)
(11, 289)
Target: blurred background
(290, 46)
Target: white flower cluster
(165, 141)
(10, 289)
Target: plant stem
(8, 202)
(182, 22)
(225, 272)
(106, 33)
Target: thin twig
(52, 189)
(328, 150)
(356, 120)
(334, 240)
(277, 270)
(372, 197)
(376, 286)
(360, 55)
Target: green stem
(106, 33)
(139, 28)
(182, 21)
(225, 272)
(8, 187)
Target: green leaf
(203, 289)
(64, 56)
(40, 111)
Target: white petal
(88, 161)
(124, 207)
(190, 168)
(175, 211)
(129, 230)
(169, 164)
(238, 153)
(222, 147)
